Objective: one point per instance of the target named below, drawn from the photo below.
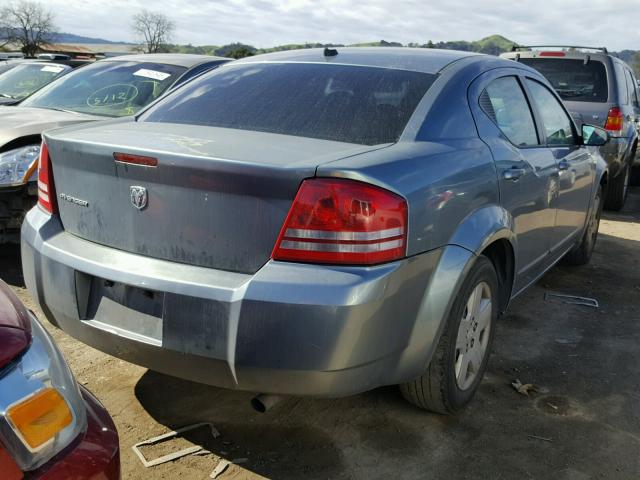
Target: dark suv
(597, 89)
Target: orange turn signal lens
(40, 417)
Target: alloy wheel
(473, 336)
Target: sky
(610, 23)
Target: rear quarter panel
(444, 184)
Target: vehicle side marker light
(39, 417)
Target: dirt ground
(584, 424)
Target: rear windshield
(353, 104)
(107, 88)
(574, 80)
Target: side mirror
(594, 136)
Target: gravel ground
(584, 423)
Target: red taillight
(46, 189)
(614, 120)
(338, 221)
(135, 159)
(551, 54)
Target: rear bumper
(96, 455)
(289, 328)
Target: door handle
(513, 173)
(563, 165)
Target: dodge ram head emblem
(139, 197)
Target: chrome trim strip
(346, 236)
(342, 247)
(43, 195)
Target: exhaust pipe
(264, 401)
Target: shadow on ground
(11, 270)
(583, 423)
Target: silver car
(109, 88)
(316, 222)
(597, 88)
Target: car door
(525, 168)
(575, 166)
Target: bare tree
(154, 30)
(27, 24)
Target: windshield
(107, 88)
(23, 80)
(353, 104)
(5, 66)
(573, 79)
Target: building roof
(65, 48)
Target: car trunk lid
(216, 198)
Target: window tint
(557, 124)
(343, 103)
(632, 87)
(573, 79)
(504, 102)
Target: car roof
(186, 60)
(425, 60)
(44, 63)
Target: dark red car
(50, 427)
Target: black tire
(437, 390)
(581, 254)
(635, 176)
(617, 190)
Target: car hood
(17, 122)
(15, 327)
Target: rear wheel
(617, 190)
(635, 176)
(581, 254)
(460, 359)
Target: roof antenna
(330, 52)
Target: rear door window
(631, 87)
(505, 103)
(573, 79)
(623, 90)
(344, 103)
(558, 127)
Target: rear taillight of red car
(46, 188)
(614, 121)
(339, 221)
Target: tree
(27, 24)
(154, 30)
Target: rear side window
(558, 127)
(632, 87)
(504, 102)
(623, 90)
(573, 79)
(353, 104)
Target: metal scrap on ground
(175, 455)
(574, 300)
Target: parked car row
(313, 222)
